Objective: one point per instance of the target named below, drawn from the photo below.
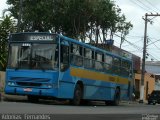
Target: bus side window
(116, 65)
(99, 61)
(108, 63)
(88, 54)
(126, 69)
(64, 57)
(76, 54)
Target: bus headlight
(11, 83)
(48, 85)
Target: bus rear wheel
(116, 97)
(108, 102)
(77, 95)
(32, 98)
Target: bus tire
(108, 102)
(32, 98)
(77, 95)
(154, 103)
(85, 102)
(116, 100)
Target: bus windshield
(33, 56)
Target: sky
(135, 10)
(3, 6)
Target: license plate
(27, 89)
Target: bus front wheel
(77, 95)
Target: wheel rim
(78, 96)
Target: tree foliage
(6, 26)
(95, 19)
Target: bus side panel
(104, 91)
(66, 90)
(124, 92)
(66, 85)
(100, 86)
(97, 90)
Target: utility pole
(144, 56)
(143, 61)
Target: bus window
(88, 54)
(116, 65)
(19, 56)
(44, 56)
(98, 62)
(75, 49)
(108, 63)
(32, 56)
(125, 68)
(76, 55)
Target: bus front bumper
(52, 92)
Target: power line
(145, 5)
(133, 42)
(132, 36)
(155, 58)
(153, 42)
(139, 49)
(135, 46)
(140, 6)
(152, 5)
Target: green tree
(73, 18)
(6, 27)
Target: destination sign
(40, 37)
(33, 37)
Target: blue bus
(46, 65)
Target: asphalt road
(93, 111)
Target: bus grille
(27, 79)
(29, 84)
